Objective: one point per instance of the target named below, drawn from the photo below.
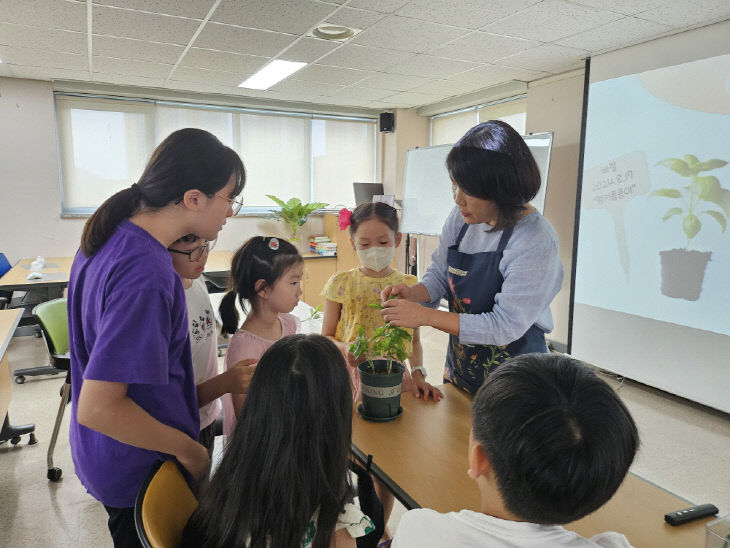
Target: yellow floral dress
(354, 291)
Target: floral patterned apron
(474, 281)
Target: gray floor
(685, 449)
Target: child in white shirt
(550, 443)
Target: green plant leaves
(709, 189)
(691, 226)
(672, 212)
(666, 192)
(294, 213)
(719, 217)
(711, 164)
(678, 166)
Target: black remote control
(689, 514)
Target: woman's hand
(195, 460)
(238, 377)
(402, 291)
(420, 388)
(404, 313)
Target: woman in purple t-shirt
(134, 400)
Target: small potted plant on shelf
(683, 269)
(381, 372)
(294, 213)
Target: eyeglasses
(235, 204)
(194, 255)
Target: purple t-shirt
(128, 323)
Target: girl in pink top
(265, 272)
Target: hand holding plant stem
(700, 189)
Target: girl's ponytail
(102, 224)
(228, 313)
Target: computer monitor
(364, 192)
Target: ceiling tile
(395, 82)
(365, 57)
(626, 7)
(483, 47)
(360, 94)
(289, 16)
(301, 89)
(308, 50)
(685, 13)
(490, 75)
(331, 75)
(551, 20)
(146, 69)
(431, 66)
(548, 57)
(45, 13)
(127, 48)
(354, 18)
(126, 80)
(143, 26)
(404, 33)
(615, 34)
(241, 40)
(34, 37)
(196, 9)
(412, 98)
(45, 73)
(215, 77)
(33, 57)
(383, 6)
(223, 60)
(471, 14)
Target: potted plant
(683, 269)
(294, 213)
(381, 373)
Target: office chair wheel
(20, 379)
(32, 440)
(15, 440)
(54, 474)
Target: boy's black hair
(493, 162)
(259, 258)
(559, 439)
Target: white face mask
(376, 258)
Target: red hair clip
(274, 244)
(344, 218)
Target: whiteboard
(427, 198)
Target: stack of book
(322, 245)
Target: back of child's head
(259, 258)
(288, 456)
(374, 210)
(559, 439)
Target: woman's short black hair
(493, 162)
(559, 439)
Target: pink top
(245, 345)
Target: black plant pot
(683, 272)
(380, 391)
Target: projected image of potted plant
(294, 213)
(683, 269)
(381, 373)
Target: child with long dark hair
(133, 392)
(283, 481)
(266, 273)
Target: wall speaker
(387, 122)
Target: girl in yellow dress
(374, 236)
